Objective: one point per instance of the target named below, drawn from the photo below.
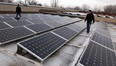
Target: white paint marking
(60, 36)
(8, 25)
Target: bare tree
(45, 5)
(77, 8)
(110, 9)
(39, 4)
(54, 3)
(21, 2)
(26, 2)
(97, 9)
(9, 1)
(32, 2)
(85, 7)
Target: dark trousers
(18, 14)
(88, 26)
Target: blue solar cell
(103, 32)
(102, 40)
(3, 26)
(6, 19)
(18, 23)
(75, 27)
(39, 27)
(42, 46)
(96, 55)
(12, 34)
(54, 24)
(37, 21)
(81, 24)
(65, 32)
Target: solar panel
(75, 27)
(60, 20)
(21, 19)
(81, 24)
(56, 17)
(54, 24)
(102, 40)
(103, 32)
(3, 26)
(4, 15)
(6, 19)
(63, 20)
(37, 21)
(42, 46)
(65, 32)
(39, 27)
(35, 17)
(67, 19)
(103, 24)
(75, 19)
(96, 55)
(47, 19)
(18, 23)
(12, 34)
(11, 15)
(102, 27)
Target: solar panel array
(18, 23)
(76, 27)
(56, 31)
(8, 19)
(54, 24)
(102, 40)
(48, 42)
(102, 35)
(39, 27)
(42, 46)
(36, 21)
(99, 51)
(33, 22)
(65, 32)
(4, 26)
(96, 55)
(12, 34)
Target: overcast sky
(73, 3)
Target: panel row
(8, 35)
(96, 55)
(97, 52)
(12, 34)
(42, 46)
(103, 40)
(102, 35)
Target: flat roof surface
(65, 56)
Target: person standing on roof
(18, 11)
(89, 18)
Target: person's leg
(16, 15)
(20, 14)
(88, 27)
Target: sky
(80, 3)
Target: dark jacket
(18, 9)
(90, 18)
